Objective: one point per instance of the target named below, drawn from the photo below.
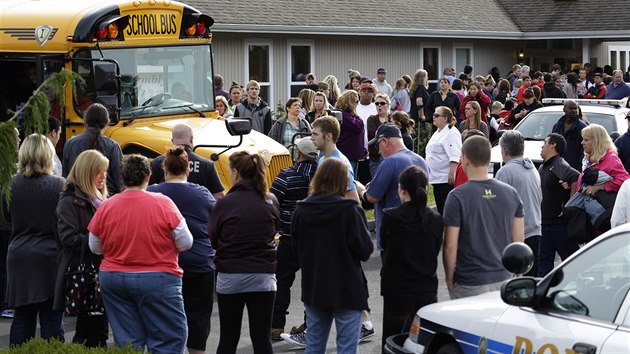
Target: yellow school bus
(149, 62)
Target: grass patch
(38, 345)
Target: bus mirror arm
(236, 127)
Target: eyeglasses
(380, 103)
(435, 115)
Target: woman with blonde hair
(472, 114)
(333, 89)
(443, 153)
(400, 97)
(351, 137)
(335, 289)
(84, 192)
(32, 252)
(600, 153)
(320, 107)
(222, 106)
(306, 97)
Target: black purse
(82, 288)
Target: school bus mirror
(111, 103)
(238, 126)
(105, 78)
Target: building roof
(489, 19)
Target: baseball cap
(368, 85)
(307, 148)
(385, 131)
(310, 75)
(381, 71)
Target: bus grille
(278, 162)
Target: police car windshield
(538, 125)
(160, 80)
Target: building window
(430, 60)
(258, 59)
(619, 57)
(300, 62)
(462, 56)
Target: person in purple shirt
(351, 138)
(218, 87)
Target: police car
(582, 307)
(611, 114)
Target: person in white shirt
(366, 106)
(621, 210)
(443, 152)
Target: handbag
(82, 288)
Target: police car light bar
(615, 103)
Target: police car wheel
(451, 348)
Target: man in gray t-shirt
(481, 218)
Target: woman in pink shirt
(140, 235)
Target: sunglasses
(380, 103)
(435, 115)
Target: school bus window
(179, 75)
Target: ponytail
(414, 180)
(251, 166)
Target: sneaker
(366, 333)
(299, 329)
(298, 339)
(276, 332)
(7, 313)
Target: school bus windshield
(157, 81)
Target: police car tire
(451, 348)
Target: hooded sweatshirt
(330, 238)
(521, 174)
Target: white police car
(581, 307)
(611, 114)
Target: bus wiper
(533, 139)
(190, 106)
(136, 112)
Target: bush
(42, 346)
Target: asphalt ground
(372, 272)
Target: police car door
(585, 305)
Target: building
(277, 42)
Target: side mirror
(107, 87)
(519, 291)
(338, 115)
(238, 126)
(518, 258)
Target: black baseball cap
(385, 131)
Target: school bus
(149, 62)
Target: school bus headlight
(201, 29)
(112, 31)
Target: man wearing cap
(311, 82)
(382, 191)
(289, 187)
(598, 90)
(381, 82)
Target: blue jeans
(554, 239)
(347, 323)
(25, 322)
(146, 309)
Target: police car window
(605, 120)
(595, 283)
(538, 125)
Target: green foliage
(41, 346)
(35, 120)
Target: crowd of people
(166, 236)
